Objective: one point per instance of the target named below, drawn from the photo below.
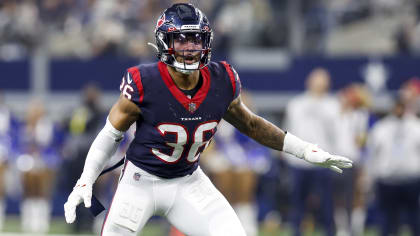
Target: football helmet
(183, 23)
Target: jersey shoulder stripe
(135, 73)
(234, 79)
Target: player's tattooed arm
(254, 126)
(123, 114)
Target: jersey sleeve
(234, 79)
(131, 86)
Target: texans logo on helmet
(160, 21)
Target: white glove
(82, 192)
(104, 146)
(313, 154)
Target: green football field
(154, 228)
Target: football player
(177, 104)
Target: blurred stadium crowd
(92, 28)
(41, 157)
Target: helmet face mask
(188, 50)
(183, 38)
(186, 37)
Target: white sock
(33, 213)
(358, 218)
(43, 208)
(247, 215)
(41, 215)
(341, 220)
(25, 214)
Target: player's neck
(184, 81)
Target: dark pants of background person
(312, 181)
(393, 199)
(343, 193)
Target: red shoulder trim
(231, 75)
(135, 72)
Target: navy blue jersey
(173, 130)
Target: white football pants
(191, 203)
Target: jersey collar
(194, 103)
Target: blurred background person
(234, 163)
(409, 94)
(352, 128)
(312, 115)
(394, 166)
(8, 125)
(83, 124)
(37, 162)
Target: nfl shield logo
(191, 107)
(136, 176)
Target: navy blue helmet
(183, 22)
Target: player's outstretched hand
(317, 156)
(82, 192)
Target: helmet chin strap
(186, 72)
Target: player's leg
(200, 209)
(245, 181)
(43, 208)
(2, 192)
(132, 205)
(224, 180)
(342, 196)
(298, 198)
(324, 187)
(358, 214)
(389, 207)
(28, 204)
(411, 194)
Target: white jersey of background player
(177, 104)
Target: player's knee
(226, 224)
(112, 229)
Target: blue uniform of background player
(177, 104)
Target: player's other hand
(82, 192)
(317, 156)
